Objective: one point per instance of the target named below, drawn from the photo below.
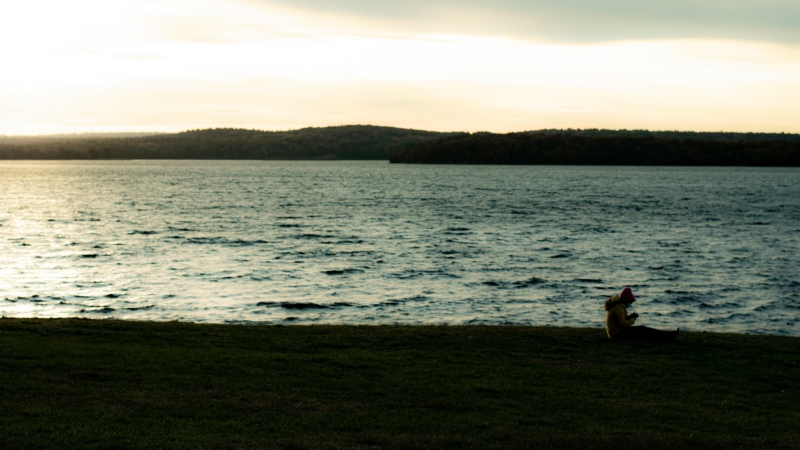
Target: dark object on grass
(646, 334)
(619, 324)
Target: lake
(303, 242)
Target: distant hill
(341, 142)
(608, 147)
(591, 146)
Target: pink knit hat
(626, 296)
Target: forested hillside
(343, 142)
(609, 147)
(721, 136)
(604, 147)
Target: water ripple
(367, 242)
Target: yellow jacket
(616, 316)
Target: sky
(76, 66)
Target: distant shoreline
(397, 145)
(356, 142)
(598, 149)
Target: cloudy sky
(470, 65)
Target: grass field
(117, 384)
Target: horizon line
(137, 134)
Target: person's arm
(622, 320)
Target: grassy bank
(100, 384)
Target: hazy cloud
(138, 57)
(579, 20)
(470, 65)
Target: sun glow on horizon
(94, 66)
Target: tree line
(366, 142)
(342, 142)
(603, 147)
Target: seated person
(619, 324)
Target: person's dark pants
(645, 334)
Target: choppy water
(713, 249)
